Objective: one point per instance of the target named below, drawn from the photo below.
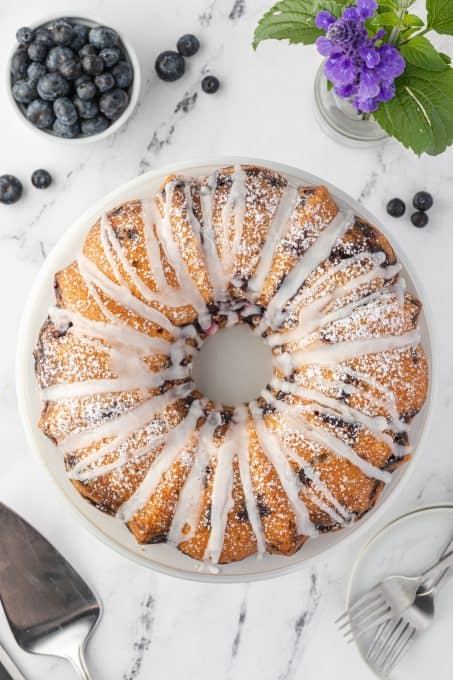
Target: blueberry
(423, 200)
(92, 64)
(41, 179)
(40, 113)
(396, 207)
(70, 69)
(86, 50)
(20, 62)
(37, 51)
(51, 86)
(80, 36)
(58, 56)
(62, 32)
(10, 189)
(188, 45)
(210, 84)
(44, 35)
(170, 65)
(110, 56)
(65, 110)
(93, 126)
(123, 74)
(24, 36)
(419, 219)
(114, 103)
(66, 131)
(86, 108)
(85, 88)
(102, 36)
(24, 91)
(104, 82)
(35, 71)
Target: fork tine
(383, 618)
(358, 603)
(377, 641)
(389, 645)
(361, 621)
(355, 614)
(399, 650)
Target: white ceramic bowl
(162, 557)
(134, 90)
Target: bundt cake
(154, 278)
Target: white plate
(409, 545)
(162, 557)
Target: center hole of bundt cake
(233, 366)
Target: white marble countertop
(155, 626)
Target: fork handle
(78, 662)
(438, 568)
(434, 584)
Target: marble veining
(155, 626)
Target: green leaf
(389, 18)
(420, 52)
(440, 16)
(420, 116)
(335, 7)
(412, 20)
(446, 58)
(291, 20)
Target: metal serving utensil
(50, 608)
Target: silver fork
(393, 638)
(387, 600)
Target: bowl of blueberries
(73, 79)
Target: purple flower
(340, 69)
(367, 105)
(387, 91)
(324, 19)
(358, 68)
(370, 55)
(366, 8)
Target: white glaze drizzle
(288, 478)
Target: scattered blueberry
(86, 50)
(123, 74)
(80, 36)
(41, 179)
(62, 32)
(92, 64)
(423, 200)
(112, 104)
(35, 71)
(188, 45)
(40, 113)
(20, 62)
(87, 108)
(58, 56)
(43, 35)
(37, 51)
(104, 82)
(65, 110)
(396, 207)
(419, 219)
(70, 69)
(110, 56)
(24, 91)
(66, 131)
(102, 36)
(93, 126)
(24, 36)
(85, 88)
(210, 84)
(52, 85)
(10, 189)
(170, 65)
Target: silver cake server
(49, 607)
